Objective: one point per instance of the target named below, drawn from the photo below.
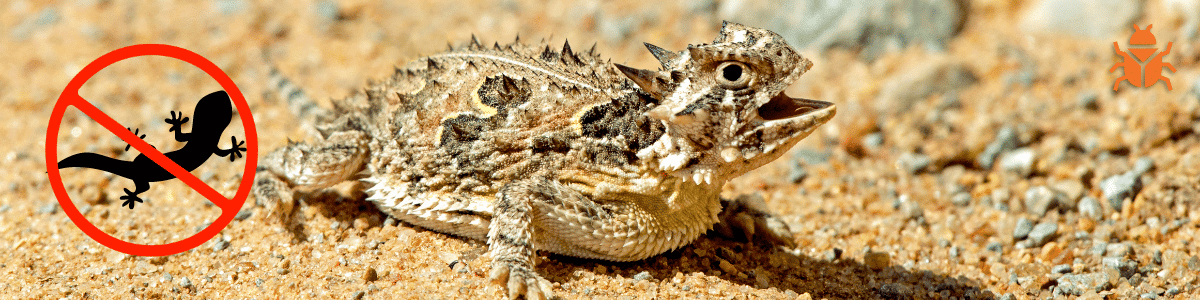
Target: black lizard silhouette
(212, 113)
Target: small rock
(1040, 199)
(954, 251)
(1019, 161)
(1126, 267)
(1149, 296)
(370, 275)
(220, 244)
(1091, 208)
(797, 174)
(1073, 189)
(911, 209)
(48, 209)
(894, 291)
(1077, 284)
(1088, 100)
(876, 260)
(1008, 296)
(913, 162)
(643, 275)
(185, 283)
(1143, 165)
(1116, 250)
(1006, 139)
(727, 267)
(358, 295)
(1061, 269)
(390, 222)
(243, 215)
(995, 247)
(873, 140)
(1042, 233)
(1116, 188)
(1022, 229)
(833, 254)
(1171, 292)
(961, 199)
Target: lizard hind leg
(131, 197)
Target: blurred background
(961, 125)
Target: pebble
(1078, 284)
(644, 275)
(390, 222)
(1088, 100)
(1019, 161)
(370, 274)
(876, 260)
(961, 199)
(48, 209)
(1042, 233)
(833, 254)
(1061, 269)
(727, 267)
(1118, 187)
(1006, 139)
(185, 283)
(797, 173)
(1149, 296)
(243, 215)
(911, 209)
(220, 244)
(1126, 267)
(1091, 208)
(1040, 199)
(1099, 248)
(1116, 250)
(873, 140)
(811, 157)
(995, 246)
(913, 162)
(1022, 229)
(358, 295)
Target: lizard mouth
(783, 107)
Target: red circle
(70, 96)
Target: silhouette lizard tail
(99, 162)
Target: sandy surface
(867, 225)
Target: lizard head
(723, 104)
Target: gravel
(1077, 284)
(1019, 161)
(1090, 207)
(913, 162)
(1005, 140)
(1043, 233)
(1022, 229)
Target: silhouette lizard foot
(130, 199)
(235, 152)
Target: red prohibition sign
(70, 97)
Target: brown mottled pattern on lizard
(530, 148)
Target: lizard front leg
(510, 240)
(176, 122)
(747, 216)
(305, 167)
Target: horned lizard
(528, 148)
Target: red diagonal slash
(70, 97)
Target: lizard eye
(733, 75)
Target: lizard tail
(303, 107)
(99, 162)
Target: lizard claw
(130, 199)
